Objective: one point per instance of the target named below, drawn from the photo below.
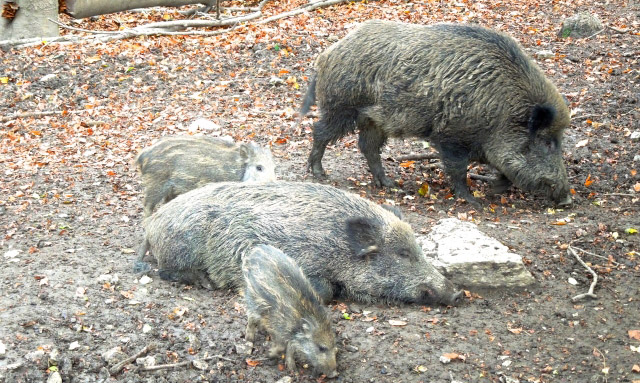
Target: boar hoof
(383, 181)
(140, 267)
(317, 171)
(565, 202)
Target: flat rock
(471, 259)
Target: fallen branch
(181, 364)
(414, 157)
(118, 367)
(590, 293)
(183, 24)
(623, 31)
(46, 113)
(306, 8)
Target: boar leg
(189, 277)
(456, 159)
(500, 185)
(140, 266)
(252, 327)
(289, 359)
(320, 142)
(371, 140)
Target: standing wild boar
(347, 245)
(176, 165)
(281, 300)
(470, 91)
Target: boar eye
(322, 349)
(404, 253)
(259, 168)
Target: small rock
(286, 379)
(54, 377)
(572, 281)
(332, 38)
(35, 355)
(351, 348)
(147, 361)
(545, 54)
(200, 364)
(370, 329)
(113, 356)
(74, 345)
(145, 280)
(11, 253)
(583, 24)
(113, 279)
(54, 357)
(203, 124)
(275, 81)
(506, 363)
(635, 135)
(3, 350)
(146, 328)
(444, 359)
(244, 349)
(48, 77)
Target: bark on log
(30, 20)
(86, 8)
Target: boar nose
(332, 374)
(456, 298)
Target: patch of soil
(71, 211)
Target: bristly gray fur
(472, 92)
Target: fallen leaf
(588, 181)
(420, 369)
(424, 190)
(252, 362)
(635, 368)
(630, 230)
(634, 334)
(407, 164)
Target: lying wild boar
(470, 91)
(346, 245)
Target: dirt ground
(71, 206)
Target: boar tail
(309, 97)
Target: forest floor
(71, 205)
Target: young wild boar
(281, 300)
(176, 165)
(347, 246)
(470, 91)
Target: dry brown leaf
(252, 362)
(634, 334)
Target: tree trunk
(87, 8)
(30, 20)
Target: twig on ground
(618, 30)
(118, 367)
(69, 27)
(590, 293)
(596, 255)
(45, 113)
(620, 194)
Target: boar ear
(393, 209)
(541, 118)
(364, 236)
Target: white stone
(11, 253)
(572, 281)
(54, 377)
(635, 135)
(203, 124)
(471, 259)
(74, 345)
(545, 54)
(145, 280)
(3, 350)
